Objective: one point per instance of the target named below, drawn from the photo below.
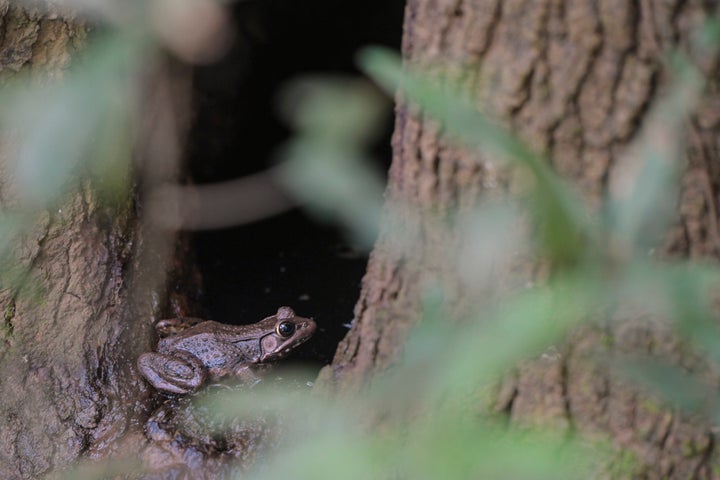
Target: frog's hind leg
(180, 372)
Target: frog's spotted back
(208, 349)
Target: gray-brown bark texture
(64, 343)
(576, 79)
(71, 330)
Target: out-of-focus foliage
(330, 171)
(81, 124)
(63, 135)
(67, 130)
(421, 419)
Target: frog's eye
(285, 329)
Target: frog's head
(285, 331)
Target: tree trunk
(576, 80)
(92, 284)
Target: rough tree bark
(68, 343)
(576, 79)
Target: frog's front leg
(178, 372)
(245, 374)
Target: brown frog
(196, 350)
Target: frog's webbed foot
(180, 372)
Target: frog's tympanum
(197, 350)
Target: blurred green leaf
(334, 110)
(58, 126)
(673, 384)
(708, 36)
(691, 292)
(678, 292)
(324, 165)
(324, 438)
(643, 202)
(57, 134)
(562, 223)
(464, 448)
(521, 327)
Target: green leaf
(643, 197)
(324, 166)
(561, 221)
(59, 126)
(676, 385)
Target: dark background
(251, 270)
